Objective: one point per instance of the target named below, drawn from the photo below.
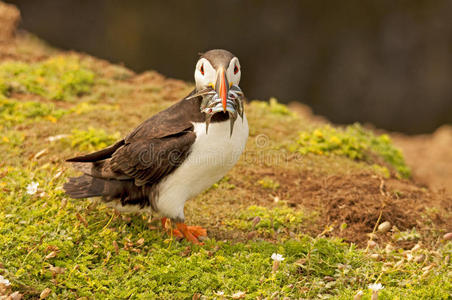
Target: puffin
(174, 155)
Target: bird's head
(218, 69)
(217, 77)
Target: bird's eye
(202, 69)
(236, 69)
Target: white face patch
(234, 71)
(206, 75)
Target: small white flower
(4, 281)
(56, 137)
(375, 287)
(219, 293)
(32, 188)
(238, 295)
(277, 257)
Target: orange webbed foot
(191, 233)
(197, 231)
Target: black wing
(148, 161)
(150, 152)
(99, 155)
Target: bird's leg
(167, 226)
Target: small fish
(232, 117)
(208, 117)
(203, 93)
(212, 104)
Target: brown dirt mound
(358, 200)
(9, 19)
(430, 157)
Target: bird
(175, 154)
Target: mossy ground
(355, 143)
(79, 248)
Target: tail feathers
(85, 168)
(99, 169)
(126, 191)
(84, 187)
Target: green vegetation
(268, 183)
(267, 221)
(12, 139)
(273, 107)
(85, 107)
(91, 139)
(224, 183)
(57, 78)
(13, 112)
(353, 142)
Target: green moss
(272, 106)
(14, 112)
(267, 221)
(11, 138)
(268, 183)
(407, 235)
(3, 89)
(353, 142)
(58, 78)
(85, 107)
(91, 139)
(224, 184)
(382, 170)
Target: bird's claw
(190, 233)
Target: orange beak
(222, 87)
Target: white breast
(212, 156)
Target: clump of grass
(407, 235)
(11, 138)
(353, 142)
(267, 221)
(58, 78)
(273, 106)
(224, 184)
(86, 107)
(14, 112)
(268, 183)
(91, 139)
(3, 88)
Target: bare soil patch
(353, 205)
(9, 18)
(430, 157)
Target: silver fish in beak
(213, 103)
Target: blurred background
(388, 63)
